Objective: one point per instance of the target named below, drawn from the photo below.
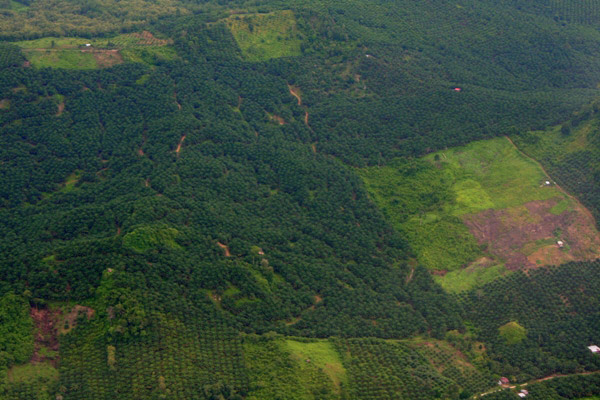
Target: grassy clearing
(492, 174)
(278, 369)
(29, 373)
(474, 275)
(265, 36)
(512, 332)
(70, 182)
(72, 53)
(321, 354)
(149, 238)
(426, 200)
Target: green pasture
(512, 332)
(474, 275)
(265, 36)
(426, 198)
(278, 368)
(61, 52)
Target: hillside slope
(183, 217)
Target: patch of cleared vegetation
(149, 238)
(475, 275)
(321, 354)
(479, 201)
(512, 332)
(289, 369)
(73, 53)
(265, 36)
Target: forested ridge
(184, 217)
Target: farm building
(503, 381)
(594, 349)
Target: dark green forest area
(183, 218)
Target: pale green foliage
(512, 332)
(265, 36)
(150, 238)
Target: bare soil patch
(105, 58)
(69, 320)
(49, 324)
(178, 149)
(527, 236)
(45, 321)
(295, 91)
(61, 108)
(147, 38)
(225, 249)
(4, 104)
(277, 119)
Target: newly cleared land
(471, 213)
(265, 36)
(73, 53)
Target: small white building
(88, 45)
(594, 349)
(521, 395)
(560, 243)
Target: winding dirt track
(178, 149)
(546, 378)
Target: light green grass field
(492, 174)
(425, 200)
(148, 238)
(55, 52)
(321, 354)
(278, 368)
(265, 36)
(472, 276)
(512, 332)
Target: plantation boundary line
(570, 196)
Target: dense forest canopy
(235, 199)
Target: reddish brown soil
(178, 149)
(524, 236)
(61, 108)
(176, 102)
(45, 321)
(225, 249)
(278, 119)
(49, 323)
(69, 321)
(105, 58)
(294, 91)
(148, 39)
(318, 299)
(4, 103)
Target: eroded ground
(531, 235)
